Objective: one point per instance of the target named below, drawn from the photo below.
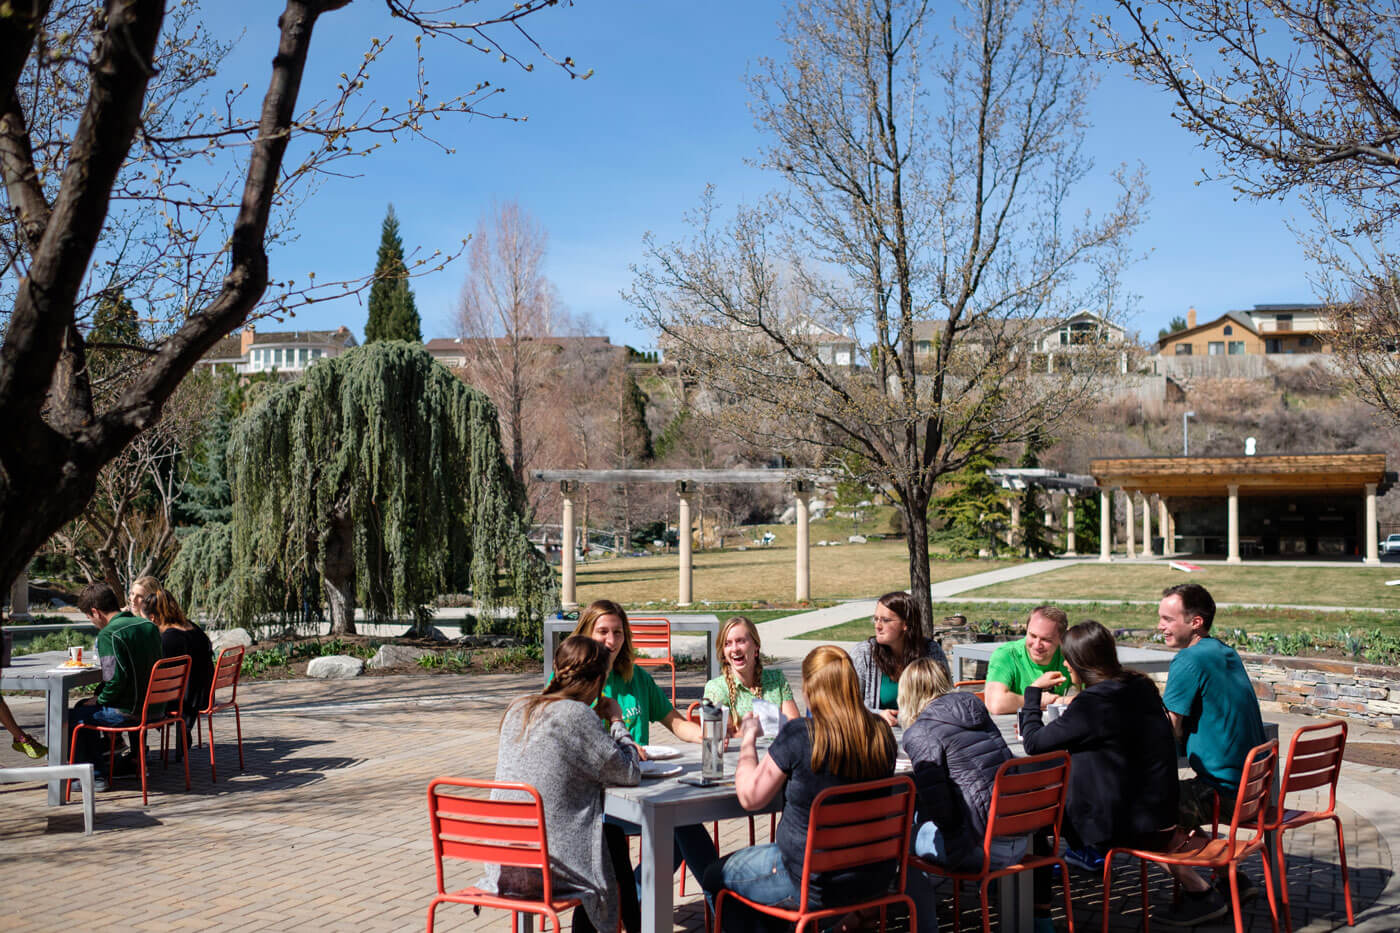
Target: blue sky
(601, 162)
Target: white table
(680, 622)
(1147, 660)
(36, 672)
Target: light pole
(1186, 433)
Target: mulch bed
(1376, 754)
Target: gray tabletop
(42, 672)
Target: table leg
(712, 653)
(1015, 897)
(658, 870)
(547, 636)
(56, 734)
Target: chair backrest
(166, 685)
(1028, 794)
(1256, 783)
(479, 829)
(226, 671)
(980, 694)
(859, 824)
(1314, 760)
(653, 635)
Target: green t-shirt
(1208, 687)
(1011, 664)
(771, 680)
(641, 700)
(129, 647)
(889, 692)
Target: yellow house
(1267, 329)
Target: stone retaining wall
(1367, 693)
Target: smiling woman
(744, 678)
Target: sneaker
(1086, 859)
(1249, 891)
(1196, 908)
(99, 783)
(30, 747)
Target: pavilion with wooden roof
(1286, 505)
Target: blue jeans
(89, 748)
(757, 873)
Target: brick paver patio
(326, 829)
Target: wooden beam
(747, 477)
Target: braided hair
(732, 682)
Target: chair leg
(1282, 882)
(213, 778)
(1346, 877)
(238, 723)
(141, 763)
(1107, 886)
(1146, 912)
(185, 742)
(1268, 888)
(982, 902)
(72, 759)
(1064, 887)
(957, 906)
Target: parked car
(1391, 545)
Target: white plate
(659, 769)
(71, 669)
(660, 752)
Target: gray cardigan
(863, 657)
(569, 758)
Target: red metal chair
(1314, 760)
(850, 826)
(1028, 796)
(654, 634)
(981, 694)
(502, 832)
(1216, 852)
(226, 671)
(165, 692)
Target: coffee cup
(75, 654)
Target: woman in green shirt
(744, 678)
(641, 700)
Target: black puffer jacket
(956, 750)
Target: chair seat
(793, 915)
(475, 895)
(1291, 819)
(929, 868)
(1212, 853)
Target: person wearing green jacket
(128, 646)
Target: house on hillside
(287, 352)
(458, 352)
(1041, 338)
(1264, 330)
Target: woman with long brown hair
(178, 635)
(841, 743)
(898, 640)
(744, 678)
(557, 741)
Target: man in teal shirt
(129, 646)
(1014, 665)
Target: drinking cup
(75, 654)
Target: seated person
(880, 659)
(179, 636)
(745, 679)
(1014, 665)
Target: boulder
(335, 667)
(397, 656)
(230, 638)
(856, 539)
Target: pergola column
(1373, 554)
(1146, 525)
(1164, 525)
(1232, 540)
(1015, 536)
(1105, 524)
(1069, 526)
(567, 597)
(19, 593)
(684, 492)
(1129, 517)
(802, 493)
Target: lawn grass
(1258, 584)
(850, 571)
(1118, 615)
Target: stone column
(19, 591)
(568, 489)
(1146, 525)
(1164, 523)
(1069, 527)
(1373, 554)
(802, 493)
(1014, 538)
(1232, 539)
(684, 492)
(1105, 525)
(1128, 520)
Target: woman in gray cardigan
(555, 741)
(898, 641)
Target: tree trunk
(338, 575)
(916, 536)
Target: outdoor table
(38, 672)
(1147, 660)
(680, 622)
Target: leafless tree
(110, 122)
(923, 182)
(1296, 99)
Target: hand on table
(890, 716)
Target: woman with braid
(744, 678)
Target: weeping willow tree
(382, 474)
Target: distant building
(456, 352)
(287, 352)
(1264, 329)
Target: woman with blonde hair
(841, 743)
(745, 679)
(178, 635)
(640, 699)
(141, 590)
(558, 741)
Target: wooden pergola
(1173, 478)
(687, 483)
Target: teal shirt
(1208, 687)
(641, 700)
(1011, 664)
(889, 692)
(771, 682)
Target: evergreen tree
(393, 313)
(1086, 522)
(1036, 540)
(974, 511)
(635, 436)
(114, 330)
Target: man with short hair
(128, 646)
(1215, 714)
(1016, 664)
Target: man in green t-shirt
(1014, 665)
